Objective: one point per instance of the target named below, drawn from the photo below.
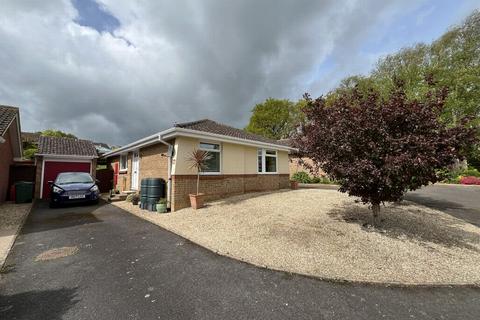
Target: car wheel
(95, 202)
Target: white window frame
(210, 150)
(125, 169)
(264, 162)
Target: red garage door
(53, 168)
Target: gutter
(169, 168)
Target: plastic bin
(23, 192)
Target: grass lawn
(325, 234)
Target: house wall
(124, 177)
(295, 166)
(6, 159)
(238, 173)
(153, 164)
(235, 159)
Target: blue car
(73, 187)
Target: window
(213, 164)
(123, 162)
(266, 161)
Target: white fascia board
(219, 137)
(154, 138)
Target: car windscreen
(73, 177)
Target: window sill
(267, 173)
(123, 171)
(210, 173)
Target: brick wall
(6, 159)
(124, 177)
(154, 162)
(216, 187)
(295, 166)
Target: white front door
(135, 169)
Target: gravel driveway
(321, 233)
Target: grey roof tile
(207, 125)
(66, 146)
(7, 114)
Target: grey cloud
(188, 60)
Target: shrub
(130, 197)
(470, 180)
(302, 177)
(470, 172)
(135, 197)
(317, 180)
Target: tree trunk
(198, 182)
(376, 212)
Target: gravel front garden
(324, 233)
(12, 217)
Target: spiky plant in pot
(198, 160)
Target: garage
(54, 167)
(56, 155)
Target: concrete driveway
(127, 268)
(462, 202)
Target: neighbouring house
(102, 148)
(30, 138)
(56, 155)
(297, 164)
(240, 162)
(10, 145)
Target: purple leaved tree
(378, 149)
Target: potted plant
(162, 205)
(198, 161)
(294, 184)
(135, 199)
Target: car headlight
(57, 189)
(94, 188)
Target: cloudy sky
(117, 70)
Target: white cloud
(181, 60)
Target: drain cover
(56, 253)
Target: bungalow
(240, 162)
(10, 145)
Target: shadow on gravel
(47, 304)
(403, 220)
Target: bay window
(266, 161)
(213, 164)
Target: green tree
(57, 133)
(275, 118)
(452, 61)
(30, 148)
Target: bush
(302, 177)
(456, 175)
(317, 180)
(470, 172)
(130, 197)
